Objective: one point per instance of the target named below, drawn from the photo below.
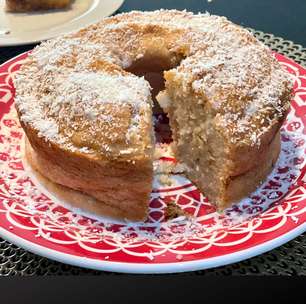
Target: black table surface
(283, 18)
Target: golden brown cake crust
(77, 199)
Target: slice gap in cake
(197, 146)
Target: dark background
(146, 290)
(284, 18)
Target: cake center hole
(152, 69)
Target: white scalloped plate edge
(141, 268)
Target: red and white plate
(34, 219)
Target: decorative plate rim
(146, 268)
(161, 267)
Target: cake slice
(226, 129)
(33, 5)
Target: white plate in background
(25, 28)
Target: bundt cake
(86, 108)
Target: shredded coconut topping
(72, 83)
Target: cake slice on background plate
(34, 5)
